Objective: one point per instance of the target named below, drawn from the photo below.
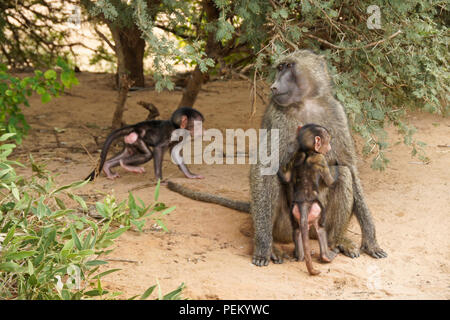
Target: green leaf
(7, 136)
(75, 238)
(9, 266)
(20, 255)
(169, 210)
(46, 97)
(93, 263)
(79, 200)
(157, 190)
(101, 275)
(30, 268)
(284, 13)
(40, 90)
(9, 235)
(117, 233)
(74, 185)
(95, 293)
(147, 292)
(50, 74)
(60, 203)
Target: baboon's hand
(260, 261)
(374, 251)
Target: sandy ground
(206, 248)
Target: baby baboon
(146, 140)
(303, 174)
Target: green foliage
(129, 213)
(102, 54)
(162, 49)
(49, 250)
(28, 35)
(14, 93)
(380, 74)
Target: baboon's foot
(260, 261)
(110, 175)
(277, 255)
(133, 169)
(328, 257)
(196, 176)
(346, 247)
(373, 250)
(314, 272)
(299, 256)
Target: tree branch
(372, 44)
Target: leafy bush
(49, 250)
(380, 74)
(15, 91)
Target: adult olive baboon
(302, 94)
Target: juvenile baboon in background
(302, 175)
(148, 140)
(302, 94)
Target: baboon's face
(286, 89)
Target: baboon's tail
(208, 197)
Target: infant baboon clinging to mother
(303, 174)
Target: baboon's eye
(280, 66)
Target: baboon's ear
(317, 143)
(184, 122)
(298, 129)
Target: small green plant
(14, 93)
(49, 250)
(130, 212)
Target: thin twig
(88, 153)
(122, 260)
(101, 35)
(372, 44)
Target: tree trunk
(194, 84)
(124, 82)
(133, 47)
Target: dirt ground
(206, 247)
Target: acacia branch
(101, 35)
(372, 44)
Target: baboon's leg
(304, 210)
(299, 253)
(114, 162)
(326, 255)
(158, 156)
(339, 205)
(261, 209)
(144, 155)
(130, 163)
